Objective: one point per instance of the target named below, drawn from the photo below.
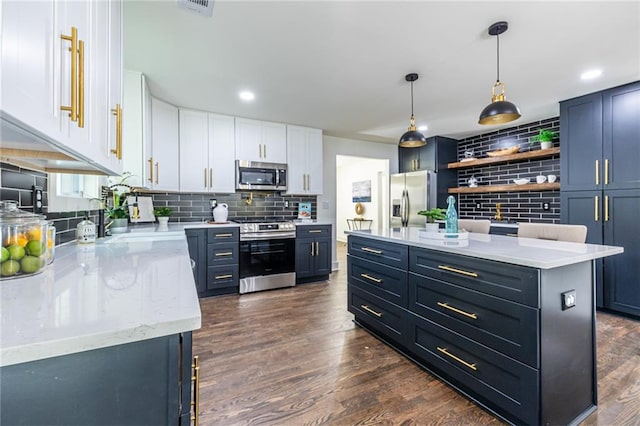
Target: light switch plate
(568, 299)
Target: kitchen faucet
(498, 215)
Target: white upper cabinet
(261, 141)
(304, 159)
(136, 124)
(164, 146)
(206, 152)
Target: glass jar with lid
(24, 237)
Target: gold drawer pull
(222, 277)
(597, 172)
(117, 111)
(224, 235)
(606, 208)
(315, 231)
(225, 253)
(459, 271)
(73, 109)
(596, 204)
(511, 235)
(370, 250)
(461, 361)
(459, 311)
(368, 309)
(369, 277)
(150, 160)
(195, 379)
(606, 171)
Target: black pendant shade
(412, 138)
(499, 110)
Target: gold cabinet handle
(511, 235)
(317, 249)
(606, 171)
(211, 177)
(312, 250)
(596, 204)
(461, 361)
(597, 172)
(371, 311)
(195, 379)
(81, 84)
(205, 177)
(315, 231)
(265, 150)
(369, 277)
(225, 253)
(458, 311)
(223, 277)
(606, 208)
(150, 160)
(370, 250)
(117, 111)
(458, 271)
(224, 235)
(157, 171)
(73, 109)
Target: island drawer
(488, 376)
(507, 327)
(383, 317)
(391, 254)
(512, 282)
(219, 235)
(222, 276)
(313, 231)
(222, 254)
(387, 283)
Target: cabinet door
(407, 158)
(165, 137)
(581, 143)
(274, 140)
(304, 259)
(322, 258)
(621, 272)
(248, 140)
(621, 150)
(197, 243)
(314, 162)
(296, 160)
(133, 147)
(115, 83)
(194, 152)
(222, 154)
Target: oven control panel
(267, 227)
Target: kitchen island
(509, 322)
(103, 335)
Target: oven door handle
(267, 236)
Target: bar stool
(479, 226)
(548, 231)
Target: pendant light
(412, 138)
(499, 110)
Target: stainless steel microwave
(255, 175)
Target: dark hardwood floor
(295, 357)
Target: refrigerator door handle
(404, 208)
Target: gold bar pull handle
(150, 160)
(265, 150)
(317, 249)
(117, 111)
(223, 277)
(597, 172)
(157, 171)
(225, 253)
(211, 177)
(606, 171)
(369, 277)
(73, 109)
(458, 271)
(224, 235)
(606, 208)
(418, 164)
(205, 177)
(371, 311)
(596, 204)
(370, 250)
(315, 231)
(461, 361)
(313, 250)
(458, 311)
(195, 379)
(81, 84)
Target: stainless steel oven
(267, 255)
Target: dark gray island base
(499, 332)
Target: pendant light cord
(498, 58)
(412, 98)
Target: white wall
(333, 147)
(356, 169)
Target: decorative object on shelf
(221, 212)
(499, 111)
(412, 138)
(359, 209)
(432, 215)
(545, 137)
(304, 211)
(541, 178)
(551, 178)
(504, 151)
(451, 221)
(520, 156)
(468, 156)
(473, 182)
(522, 181)
(162, 214)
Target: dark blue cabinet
(313, 253)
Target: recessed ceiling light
(247, 96)
(422, 128)
(591, 74)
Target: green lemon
(8, 268)
(16, 251)
(35, 248)
(31, 264)
(5, 254)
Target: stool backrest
(480, 226)
(547, 231)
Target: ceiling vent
(201, 7)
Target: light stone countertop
(536, 253)
(121, 289)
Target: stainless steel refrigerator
(410, 193)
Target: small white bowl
(521, 181)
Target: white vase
(163, 220)
(221, 212)
(432, 227)
(546, 144)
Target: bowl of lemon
(24, 238)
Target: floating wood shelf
(521, 156)
(506, 188)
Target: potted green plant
(162, 214)
(118, 213)
(545, 137)
(431, 216)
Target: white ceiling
(340, 65)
